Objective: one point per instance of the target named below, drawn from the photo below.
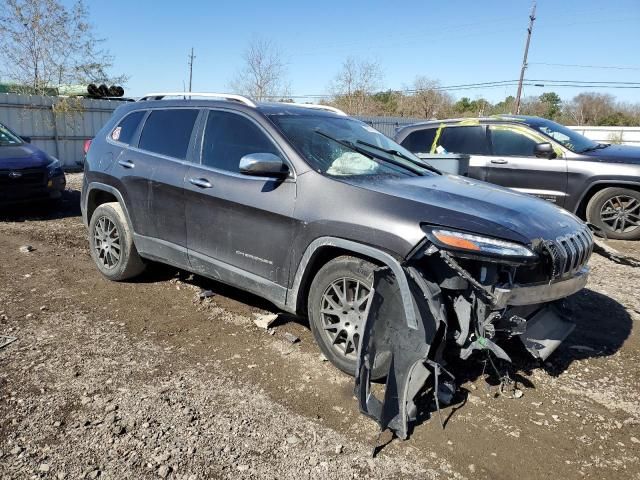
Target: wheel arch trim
(362, 249)
(612, 182)
(109, 189)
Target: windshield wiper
(352, 146)
(397, 153)
(596, 147)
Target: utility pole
(532, 17)
(191, 57)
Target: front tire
(111, 243)
(337, 300)
(616, 211)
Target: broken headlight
(478, 245)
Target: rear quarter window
(127, 127)
(168, 132)
(420, 141)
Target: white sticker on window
(115, 135)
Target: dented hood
(475, 206)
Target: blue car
(27, 173)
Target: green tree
(462, 105)
(505, 106)
(386, 102)
(552, 104)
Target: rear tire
(616, 211)
(336, 318)
(111, 243)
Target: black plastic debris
(412, 353)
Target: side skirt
(178, 256)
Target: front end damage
(457, 302)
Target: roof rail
(320, 107)
(223, 96)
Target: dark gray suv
(598, 182)
(301, 205)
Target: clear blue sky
(453, 41)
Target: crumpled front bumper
(414, 339)
(540, 293)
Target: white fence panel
(625, 135)
(57, 125)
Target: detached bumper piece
(545, 331)
(411, 351)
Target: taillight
(87, 144)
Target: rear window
(469, 140)
(420, 141)
(168, 132)
(126, 129)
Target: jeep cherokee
(301, 204)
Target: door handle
(499, 161)
(200, 182)
(126, 163)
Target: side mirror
(263, 165)
(544, 150)
(25, 138)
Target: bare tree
(355, 84)
(44, 44)
(427, 100)
(264, 73)
(590, 108)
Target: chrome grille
(569, 253)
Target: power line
(603, 67)
(499, 83)
(609, 82)
(582, 85)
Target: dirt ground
(146, 380)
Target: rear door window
(228, 137)
(420, 141)
(470, 140)
(127, 127)
(511, 143)
(168, 132)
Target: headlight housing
(54, 168)
(477, 245)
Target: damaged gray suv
(393, 262)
